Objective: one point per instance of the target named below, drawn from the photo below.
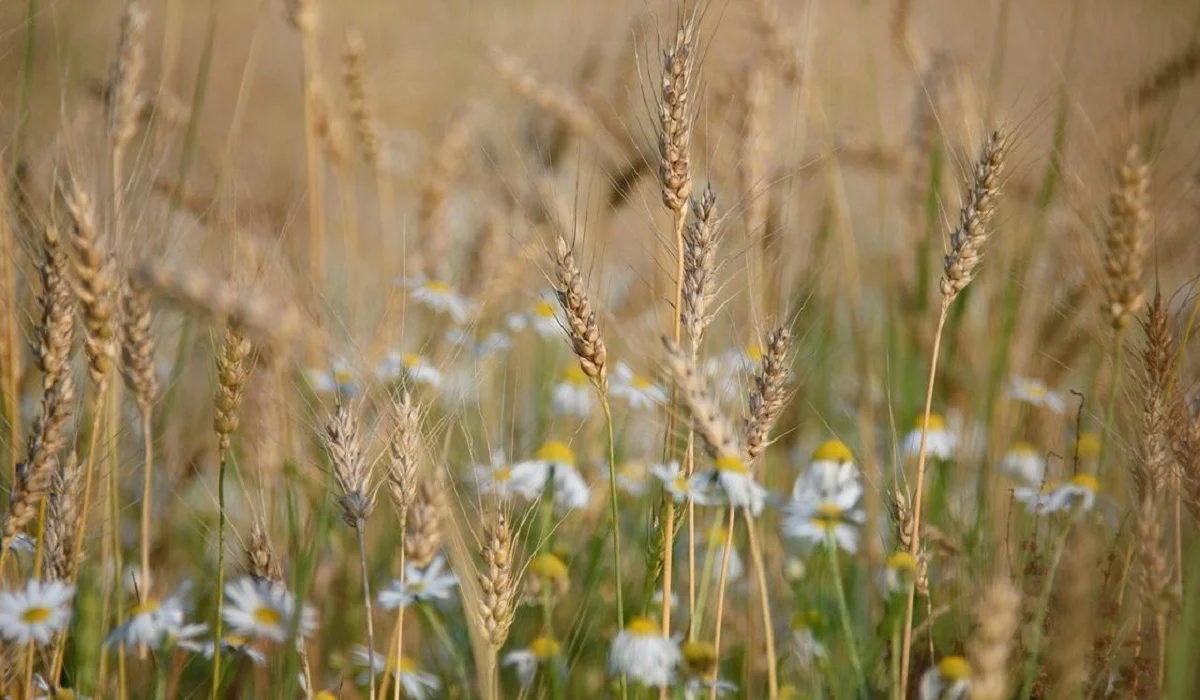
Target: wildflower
(643, 654)
(679, 486)
(814, 517)
(1024, 462)
(154, 622)
(440, 297)
(36, 612)
(730, 482)
(1078, 493)
(1088, 446)
(1035, 392)
(45, 692)
(338, 378)
(715, 544)
(420, 585)
(493, 343)
(230, 644)
(264, 610)
(700, 658)
(526, 662)
(417, 684)
(806, 625)
(831, 472)
(496, 478)
(542, 318)
(572, 395)
(23, 544)
(409, 366)
(698, 688)
(554, 462)
(547, 574)
(949, 680)
(1034, 496)
(899, 572)
(638, 391)
(940, 443)
(631, 477)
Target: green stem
(614, 508)
(844, 611)
(1118, 357)
(1038, 631)
(216, 666)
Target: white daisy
(155, 622)
(899, 573)
(831, 472)
(698, 688)
(230, 644)
(730, 482)
(440, 297)
(679, 486)
(805, 644)
(526, 662)
(493, 343)
(417, 684)
(340, 377)
(495, 478)
(641, 653)
(542, 317)
(813, 520)
(263, 610)
(949, 680)
(638, 391)
(1035, 392)
(1034, 496)
(1077, 494)
(940, 444)
(421, 585)
(45, 692)
(1025, 463)
(547, 574)
(573, 395)
(36, 612)
(631, 477)
(410, 366)
(555, 461)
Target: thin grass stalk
(764, 597)
(1038, 624)
(614, 509)
(831, 546)
(722, 581)
(359, 526)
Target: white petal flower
(36, 612)
(730, 482)
(573, 394)
(813, 520)
(542, 318)
(340, 377)
(555, 461)
(949, 680)
(416, 683)
(940, 444)
(899, 573)
(420, 585)
(641, 653)
(154, 622)
(631, 477)
(714, 546)
(526, 662)
(440, 297)
(700, 688)
(410, 366)
(832, 472)
(230, 644)
(637, 391)
(805, 644)
(1025, 464)
(1078, 493)
(263, 610)
(679, 486)
(1036, 393)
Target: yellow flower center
(1035, 390)
(234, 641)
(412, 360)
(417, 587)
(954, 669)
(149, 606)
(556, 451)
(754, 352)
(36, 615)
(407, 665)
(640, 382)
(642, 627)
(438, 287)
(545, 648)
(574, 375)
(733, 465)
(266, 616)
(1023, 449)
(548, 566)
(805, 619)
(680, 483)
(342, 376)
(936, 422)
(902, 561)
(64, 694)
(832, 451)
(325, 695)
(701, 657)
(828, 515)
(717, 535)
(502, 474)
(1086, 481)
(1089, 445)
(543, 309)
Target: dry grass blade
(362, 116)
(252, 311)
(1166, 77)
(443, 172)
(125, 78)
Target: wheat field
(658, 349)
